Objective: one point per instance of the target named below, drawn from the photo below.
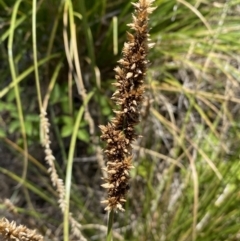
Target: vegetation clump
(185, 181)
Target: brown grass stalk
(119, 133)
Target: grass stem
(109, 225)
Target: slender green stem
(54, 29)
(34, 39)
(89, 38)
(110, 224)
(16, 87)
(70, 164)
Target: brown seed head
(10, 231)
(120, 133)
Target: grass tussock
(185, 184)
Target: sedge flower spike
(119, 133)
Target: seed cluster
(120, 133)
(9, 231)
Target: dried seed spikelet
(56, 181)
(119, 133)
(11, 232)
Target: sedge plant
(119, 134)
(187, 164)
